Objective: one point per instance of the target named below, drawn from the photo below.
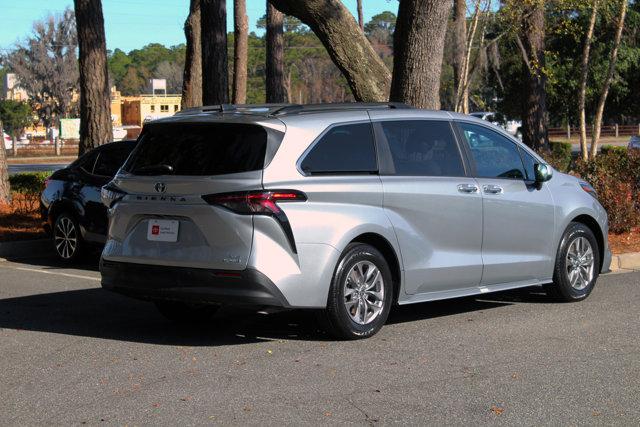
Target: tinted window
(87, 161)
(198, 149)
(426, 148)
(347, 148)
(495, 156)
(529, 164)
(111, 158)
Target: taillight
(260, 203)
(255, 202)
(110, 194)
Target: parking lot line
(76, 276)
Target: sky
(131, 24)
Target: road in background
(73, 353)
(35, 167)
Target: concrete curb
(625, 262)
(26, 248)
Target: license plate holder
(163, 230)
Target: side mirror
(543, 172)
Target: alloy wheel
(364, 292)
(580, 263)
(65, 237)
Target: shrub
(26, 189)
(560, 156)
(615, 175)
(606, 149)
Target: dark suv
(70, 203)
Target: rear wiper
(154, 170)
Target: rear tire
(67, 239)
(577, 265)
(361, 293)
(182, 312)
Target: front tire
(67, 240)
(361, 293)
(577, 264)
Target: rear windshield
(198, 149)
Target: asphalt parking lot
(72, 353)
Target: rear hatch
(162, 217)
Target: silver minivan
(346, 208)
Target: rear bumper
(246, 287)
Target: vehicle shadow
(90, 261)
(100, 314)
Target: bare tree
(5, 188)
(459, 48)
(347, 45)
(95, 102)
(360, 15)
(173, 73)
(240, 51)
(192, 76)
(215, 69)
(597, 121)
(418, 50)
(584, 71)
(531, 42)
(47, 67)
(275, 84)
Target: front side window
(423, 148)
(343, 149)
(495, 156)
(529, 164)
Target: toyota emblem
(160, 187)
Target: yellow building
(116, 107)
(136, 110)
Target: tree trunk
(418, 44)
(215, 77)
(597, 121)
(95, 99)
(584, 70)
(192, 77)
(275, 56)
(349, 49)
(240, 51)
(5, 189)
(534, 114)
(459, 50)
(360, 15)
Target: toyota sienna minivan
(346, 208)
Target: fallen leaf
(596, 414)
(327, 414)
(156, 405)
(269, 352)
(497, 410)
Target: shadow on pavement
(101, 314)
(90, 261)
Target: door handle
(467, 188)
(492, 189)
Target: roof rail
(300, 108)
(232, 108)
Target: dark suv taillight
(260, 203)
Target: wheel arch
(593, 225)
(389, 253)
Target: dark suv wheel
(577, 264)
(361, 293)
(67, 240)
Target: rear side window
(111, 158)
(198, 149)
(343, 149)
(423, 148)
